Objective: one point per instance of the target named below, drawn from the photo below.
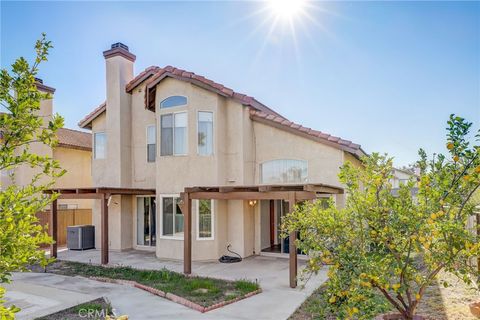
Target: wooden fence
(69, 217)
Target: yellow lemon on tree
(456, 158)
(450, 146)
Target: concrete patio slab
(277, 301)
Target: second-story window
(173, 101)
(99, 145)
(205, 133)
(173, 133)
(151, 143)
(284, 171)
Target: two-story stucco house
(167, 129)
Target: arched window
(173, 101)
(283, 171)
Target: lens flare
(287, 9)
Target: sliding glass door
(146, 222)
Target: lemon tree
(393, 243)
(20, 126)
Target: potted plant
(394, 243)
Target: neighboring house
(167, 129)
(73, 153)
(401, 177)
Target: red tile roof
(87, 121)
(259, 112)
(142, 76)
(153, 75)
(73, 139)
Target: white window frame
(213, 134)
(173, 135)
(212, 206)
(95, 145)
(162, 236)
(146, 143)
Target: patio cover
(293, 194)
(102, 193)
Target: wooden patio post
(292, 200)
(272, 224)
(104, 229)
(477, 221)
(187, 231)
(53, 229)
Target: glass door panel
(146, 221)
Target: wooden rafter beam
(323, 189)
(250, 195)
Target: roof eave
(70, 146)
(86, 123)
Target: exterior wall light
(252, 203)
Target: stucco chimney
(119, 71)
(46, 105)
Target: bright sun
(287, 9)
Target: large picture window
(151, 143)
(205, 219)
(173, 134)
(99, 145)
(205, 133)
(283, 171)
(172, 217)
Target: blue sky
(385, 75)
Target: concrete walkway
(41, 294)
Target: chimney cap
(44, 88)
(119, 45)
(119, 49)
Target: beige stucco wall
(77, 164)
(120, 222)
(323, 161)
(100, 175)
(143, 172)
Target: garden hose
(230, 259)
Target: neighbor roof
(69, 138)
(259, 112)
(73, 139)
